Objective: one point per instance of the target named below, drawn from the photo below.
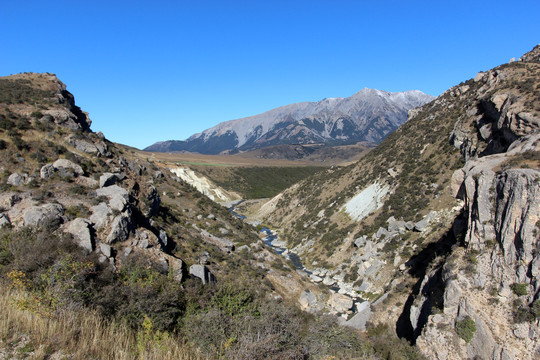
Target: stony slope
(439, 222)
(368, 115)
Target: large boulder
(202, 272)
(47, 171)
(118, 197)
(4, 220)
(17, 179)
(66, 165)
(121, 227)
(108, 179)
(340, 303)
(308, 301)
(82, 233)
(44, 214)
(360, 319)
(423, 224)
(175, 266)
(100, 215)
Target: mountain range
(369, 115)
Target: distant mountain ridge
(368, 115)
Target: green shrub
(466, 328)
(519, 289)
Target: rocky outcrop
(81, 230)
(121, 227)
(501, 252)
(17, 179)
(65, 165)
(201, 272)
(43, 215)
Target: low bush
(466, 328)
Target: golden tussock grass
(81, 335)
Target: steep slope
(368, 115)
(390, 227)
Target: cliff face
(490, 286)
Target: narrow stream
(270, 238)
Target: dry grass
(77, 335)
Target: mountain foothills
(106, 254)
(369, 115)
(438, 226)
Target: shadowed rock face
(368, 115)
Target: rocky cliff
(437, 227)
(490, 286)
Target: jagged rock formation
(368, 115)
(493, 280)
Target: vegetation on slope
(257, 182)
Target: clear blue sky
(158, 70)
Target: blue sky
(156, 70)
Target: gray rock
(202, 272)
(108, 179)
(340, 303)
(308, 300)
(395, 226)
(381, 232)
(359, 320)
(328, 281)
(244, 247)
(360, 241)
(106, 250)
(81, 231)
(143, 244)
(8, 199)
(118, 197)
(100, 215)
(177, 267)
(203, 259)
(423, 224)
(121, 227)
(47, 171)
(103, 150)
(85, 146)
(163, 239)
(17, 179)
(4, 220)
(118, 203)
(66, 165)
(87, 181)
(158, 174)
(153, 201)
(41, 215)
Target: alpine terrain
(436, 232)
(369, 115)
